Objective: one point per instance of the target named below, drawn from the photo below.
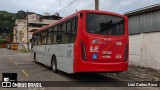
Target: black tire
(54, 64)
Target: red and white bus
(87, 41)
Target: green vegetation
(2, 41)
(7, 21)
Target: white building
(144, 36)
(35, 22)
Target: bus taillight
(125, 52)
(83, 51)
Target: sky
(68, 7)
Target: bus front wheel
(54, 64)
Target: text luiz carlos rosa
(142, 84)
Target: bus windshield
(104, 24)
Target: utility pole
(59, 2)
(96, 4)
(16, 34)
(27, 33)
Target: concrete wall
(145, 50)
(47, 21)
(19, 26)
(33, 17)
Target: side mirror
(81, 15)
(30, 40)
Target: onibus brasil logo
(9, 80)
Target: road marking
(25, 73)
(15, 63)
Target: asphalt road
(28, 70)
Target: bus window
(36, 40)
(39, 38)
(105, 24)
(59, 34)
(50, 36)
(73, 30)
(43, 37)
(65, 35)
(68, 26)
(55, 30)
(69, 30)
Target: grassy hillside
(7, 21)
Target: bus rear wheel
(54, 64)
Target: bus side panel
(64, 56)
(63, 53)
(40, 54)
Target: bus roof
(63, 19)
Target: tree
(21, 14)
(7, 21)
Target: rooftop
(143, 10)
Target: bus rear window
(105, 24)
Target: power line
(53, 4)
(66, 6)
(42, 10)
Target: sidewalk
(138, 74)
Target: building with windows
(144, 36)
(35, 22)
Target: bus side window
(36, 40)
(55, 34)
(50, 36)
(73, 30)
(59, 34)
(69, 25)
(43, 37)
(65, 35)
(46, 38)
(39, 38)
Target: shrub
(3, 45)
(2, 41)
